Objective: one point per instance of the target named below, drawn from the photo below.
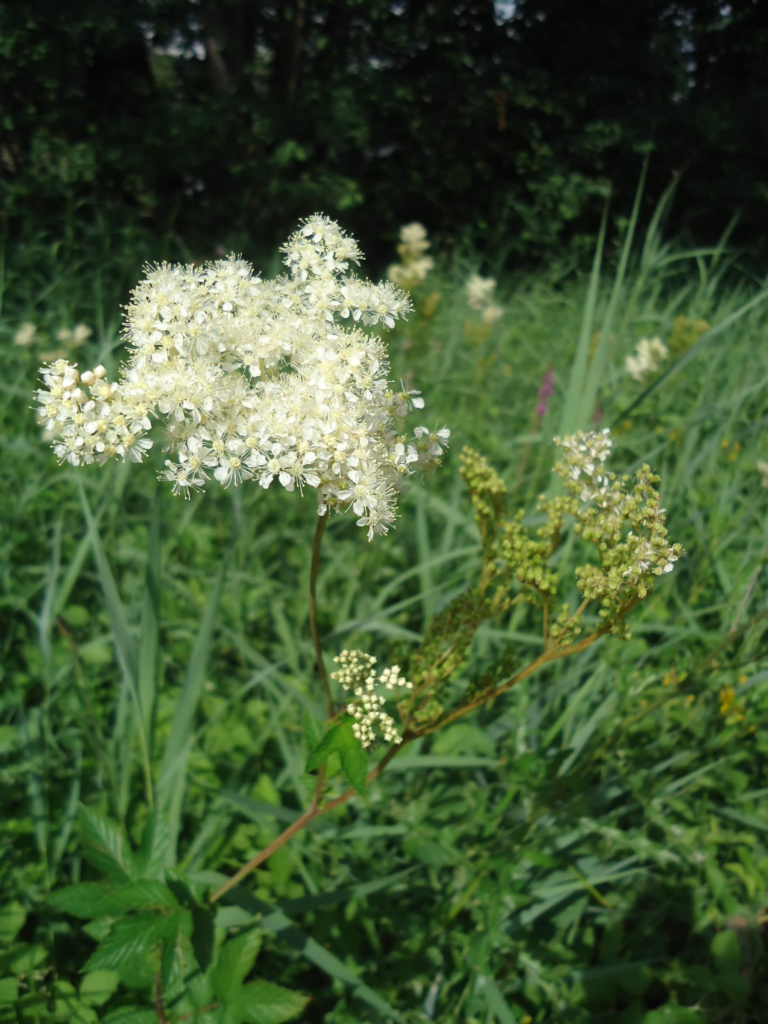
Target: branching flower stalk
(622, 520)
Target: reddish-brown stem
(315, 811)
(196, 1013)
(312, 812)
(159, 1008)
(322, 522)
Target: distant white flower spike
(264, 380)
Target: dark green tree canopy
(504, 120)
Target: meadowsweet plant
(415, 265)
(625, 550)
(648, 354)
(480, 292)
(274, 381)
(283, 383)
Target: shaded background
(496, 123)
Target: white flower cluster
(357, 673)
(648, 354)
(415, 265)
(270, 380)
(585, 455)
(480, 296)
(584, 462)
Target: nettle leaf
(91, 899)
(154, 853)
(261, 1002)
(105, 846)
(342, 741)
(236, 958)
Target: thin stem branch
(316, 811)
(159, 1008)
(312, 812)
(322, 522)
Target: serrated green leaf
(153, 854)
(324, 748)
(133, 938)
(341, 740)
(177, 960)
(90, 899)
(98, 987)
(84, 899)
(236, 958)
(313, 732)
(261, 1002)
(105, 846)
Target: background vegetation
(593, 846)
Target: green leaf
(84, 899)
(463, 739)
(9, 991)
(726, 951)
(131, 939)
(261, 1002)
(340, 739)
(177, 959)
(313, 732)
(236, 958)
(203, 936)
(22, 958)
(98, 987)
(12, 918)
(130, 1015)
(153, 854)
(105, 846)
(88, 899)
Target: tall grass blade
(572, 407)
(596, 369)
(126, 654)
(173, 769)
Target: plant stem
(315, 811)
(159, 1009)
(322, 522)
(312, 812)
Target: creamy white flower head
(271, 381)
(649, 352)
(480, 291)
(415, 266)
(25, 334)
